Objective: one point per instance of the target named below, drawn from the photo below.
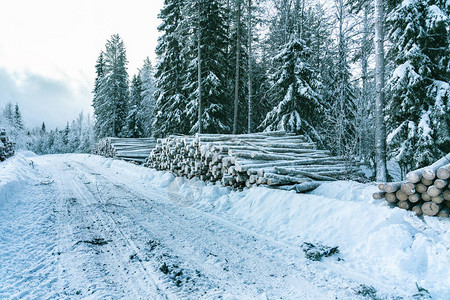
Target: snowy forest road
(83, 230)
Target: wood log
(305, 186)
(408, 188)
(381, 186)
(430, 208)
(438, 199)
(443, 172)
(433, 191)
(425, 196)
(444, 213)
(417, 209)
(284, 179)
(401, 196)
(246, 166)
(414, 198)
(416, 175)
(446, 195)
(378, 195)
(392, 187)
(440, 183)
(421, 188)
(292, 172)
(426, 182)
(390, 197)
(274, 157)
(404, 204)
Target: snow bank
(394, 248)
(391, 247)
(15, 172)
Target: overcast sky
(48, 50)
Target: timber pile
(270, 158)
(6, 146)
(129, 149)
(425, 191)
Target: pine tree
(237, 76)
(294, 88)
(18, 123)
(419, 92)
(111, 89)
(146, 114)
(340, 121)
(207, 25)
(99, 101)
(8, 114)
(65, 137)
(134, 121)
(171, 100)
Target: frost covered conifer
(98, 102)
(134, 120)
(18, 123)
(418, 114)
(146, 114)
(111, 89)
(206, 23)
(293, 87)
(169, 95)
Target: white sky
(48, 50)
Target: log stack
(129, 149)
(425, 191)
(275, 159)
(6, 146)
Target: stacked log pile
(425, 191)
(6, 146)
(129, 149)
(272, 158)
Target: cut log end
(430, 208)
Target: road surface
(79, 229)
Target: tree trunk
(249, 28)
(236, 83)
(418, 175)
(380, 130)
(365, 53)
(430, 208)
(199, 59)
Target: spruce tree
(169, 95)
(294, 89)
(18, 123)
(111, 89)
(208, 34)
(340, 131)
(134, 121)
(146, 114)
(99, 101)
(237, 76)
(418, 117)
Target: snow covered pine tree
(418, 109)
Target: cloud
(43, 99)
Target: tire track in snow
(90, 270)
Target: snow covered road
(80, 231)
(81, 226)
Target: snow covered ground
(83, 226)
